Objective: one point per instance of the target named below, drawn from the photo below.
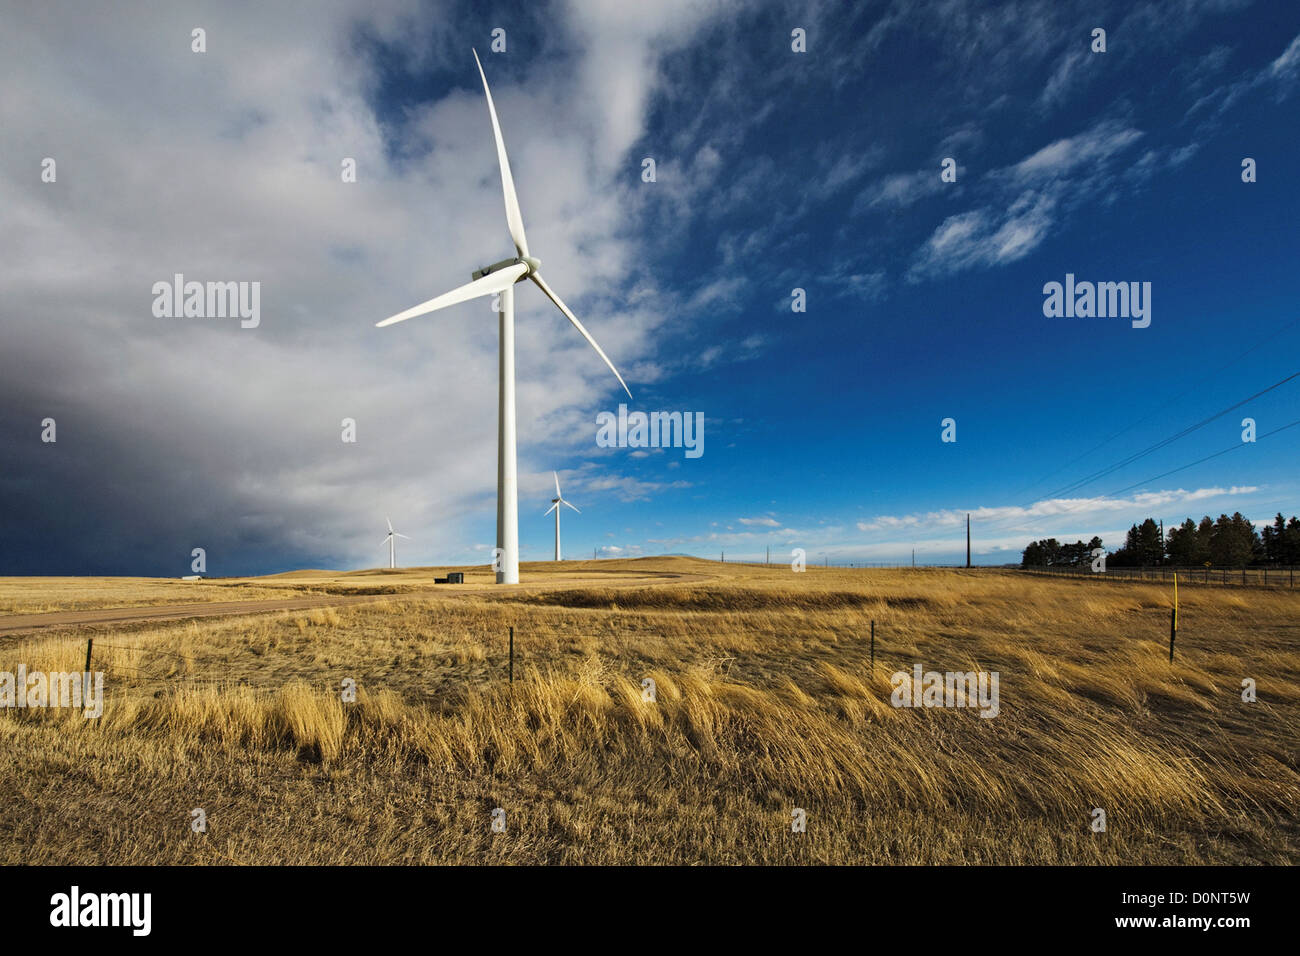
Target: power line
(1075, 485)
(1166, 404)
(1067, 511)
(1167, 441)
(1206, 458)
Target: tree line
(1230, 542)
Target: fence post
(1173, 619)
(85, 691)
(512, 655)
(873, 646)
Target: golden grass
(766, 701)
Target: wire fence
(185, 680)
(1264, 576)
(134, 668)
(818, 562)
(1259, 577)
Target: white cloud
(1062, 157)
(986, 237)
(225, 165)
(1034, 194)
(1286, 67)
(1065, 78)
(900, 190)
(1280, 75)
(1073, 508)
(628, 488)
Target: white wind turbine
(555, 506)
(500, 277)
(391, 542)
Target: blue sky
(775, 170)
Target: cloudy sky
(775, 170)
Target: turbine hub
(532, 262)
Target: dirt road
(13, 624)
(22, 623)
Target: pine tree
(1182, 545)
(1149, 549)
(1204, 534)
(1291, 542)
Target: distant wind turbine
(555, 506)
(501, 277)
(389, 539)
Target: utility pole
(768, 559)
(968, 539)
(914, 557)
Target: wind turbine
(390, 540)
(500, 277)
(555, 506)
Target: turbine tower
(555, 506)
(500, 277)
(391, 542)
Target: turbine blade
(570, 506)
(514, 219)
(557, 484)
(400, 535)
(541, 284)
(494, 282)
(388, 521)
(384, 542)
(550, 509)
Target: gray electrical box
(455, 577)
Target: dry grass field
(766, 702)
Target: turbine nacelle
(531, 262)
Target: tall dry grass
(766, 702)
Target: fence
(182, 676)
(816, 561)
(1260, 577)
(1275, 576)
